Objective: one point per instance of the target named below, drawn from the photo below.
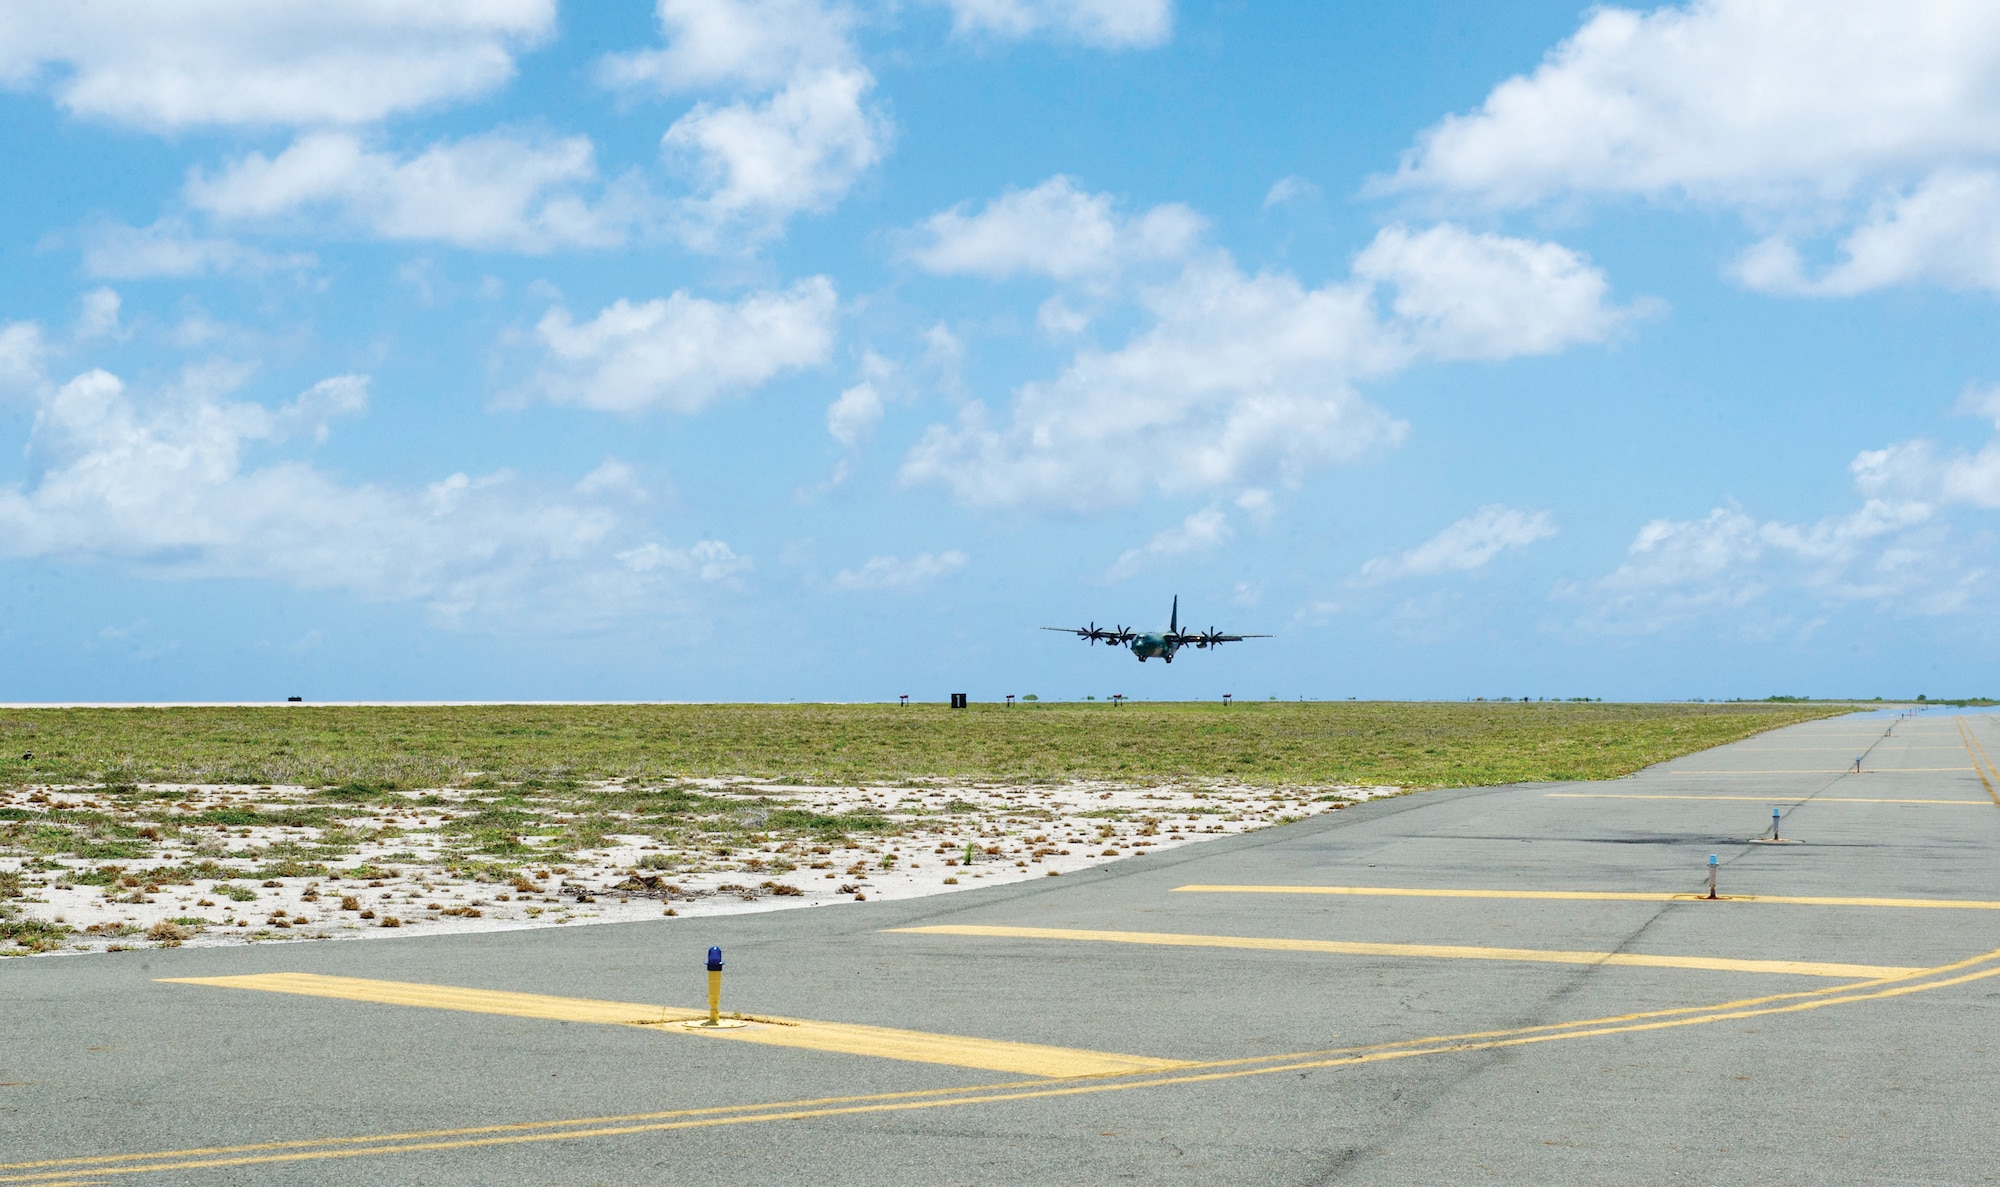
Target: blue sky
(795, 349)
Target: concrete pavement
(1833, 1018)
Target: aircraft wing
(1214, 638)
(1094, 633)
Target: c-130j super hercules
(1155, 643)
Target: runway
(1505, 985)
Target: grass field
(482, 807)
(1411, 745)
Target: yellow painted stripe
(995, 1055)
(1838, 771)
(1593, 895)
(1823, 749)
(1030, 1059)
(1758, 799)
(492, 1136)
(447, 997)
(1972, 743)
(1802, 968)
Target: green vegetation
(30, 935)
(801, 820)
(361, 753)
(517, 795)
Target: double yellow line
(1980, 762)
(1609, 896)
(63, 1172)
(1759, 799)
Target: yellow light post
(715, 1020)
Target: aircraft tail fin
(1174, 620)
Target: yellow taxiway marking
(55, 1171)
(1821, 771)
(993, 1055)
(1978, 753)
(1616, 896)
(1801, 968)
(1761, 799)
(1822, 749)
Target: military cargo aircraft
(1149, 644)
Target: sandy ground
(393, 881)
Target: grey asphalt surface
(97, 1057)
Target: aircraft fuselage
(1150, 645)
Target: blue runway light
(715, 956)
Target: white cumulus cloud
(190, 483)
(800, 150)
(1885, 552)
(1917, 471)
(24, 351)
(1810, 115)
(713, 43)
(613, 477)
(1245, 380)
(851, 419)
(1200, 532)
(1900, 549)
(683, 352)
(99, 316)
(796, 129)
(710, 560)
(280, 62)
(1238, 377)
(1732, 100)
(890, 572)
(1482, 296)
(1107, 24)
(169, 247)
(1945, 230)
(1055, 230)
(493, 191)
(1466, 545)
(1288, 189)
